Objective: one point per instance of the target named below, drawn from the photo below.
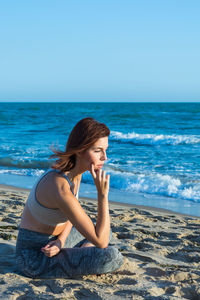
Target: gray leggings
(71, 262)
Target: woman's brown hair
(84, 134)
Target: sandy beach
(161, 252)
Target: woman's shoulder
(51, 188)
(53, 180)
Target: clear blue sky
(143, 50)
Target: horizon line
(117, 101)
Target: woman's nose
(104, 156)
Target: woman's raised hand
(101, 181)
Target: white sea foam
(23, 172)
(154, 139)
(157, 184)
(147, 183)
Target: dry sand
(161, 256)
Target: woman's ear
(79, 154)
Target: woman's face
(96, 154)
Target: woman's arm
(103, 230)
(99, 234)
(64, 234)
(103, 220)
(53, 247)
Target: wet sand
(161, 252)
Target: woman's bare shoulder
(52, 185)
(54, 179)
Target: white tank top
(45, 215)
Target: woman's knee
(114, 253)
(113, 259)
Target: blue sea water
(153, 155)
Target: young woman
(56, 237)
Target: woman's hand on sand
(101, 180)
(52, 248)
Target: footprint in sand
(155, 272)
(143, 246)
(86, 294)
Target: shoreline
(115, 203)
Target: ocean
(153, 154)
